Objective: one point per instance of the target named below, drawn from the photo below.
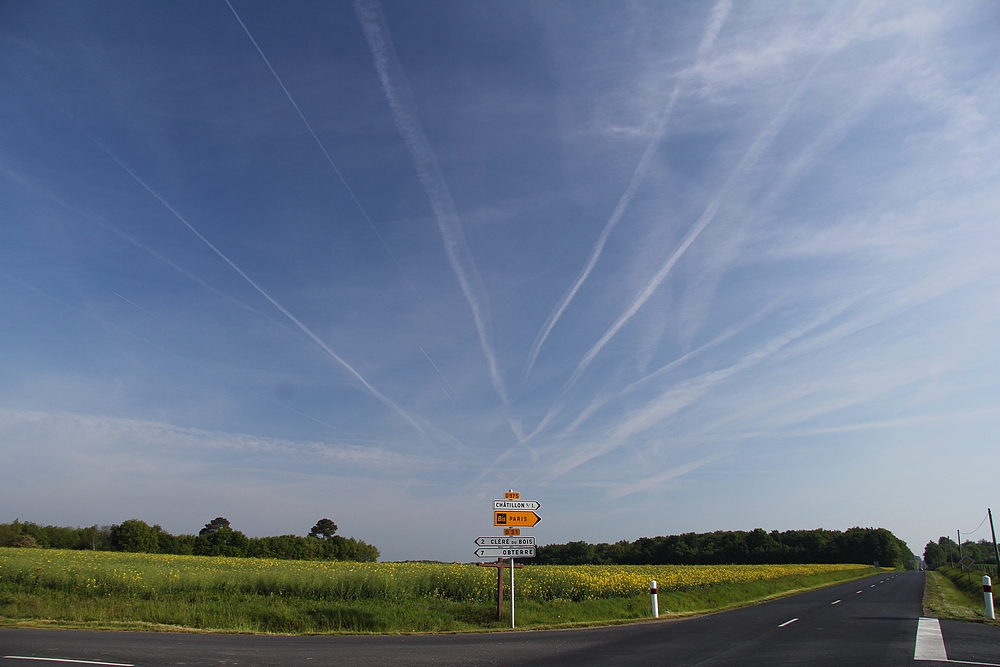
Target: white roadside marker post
(988, 597)
(652, 594)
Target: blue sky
(663, 267)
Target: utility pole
(960, 554)
(996, 555)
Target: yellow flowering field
(99, 574)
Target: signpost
(511, 513)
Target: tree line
(737, 547)
(946, 550)
(217, 538)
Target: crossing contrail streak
(109, 227)
(715, 21)
(600, 402)
(441, 374)
(306, 330)
(398, 93)
(764, 139)
(133, 303)
(678, 398)
(319, 143)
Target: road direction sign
(515, 518)
(505, 552)
(526, 505)
(494, 541)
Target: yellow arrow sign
(515, 518)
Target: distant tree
(135, 535)
(8, 533)
(214, 526)
(218, 539)
(324, 528)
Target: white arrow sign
(506, 552)
(527, 505)
(494, 541)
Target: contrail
(750, 157)
(397, 92)
(134, 304)
(715, 21)
(599, 402)
(306, 330)
(678, 398)
(319, 143)
(656, 480)
(104, 224)
(441, 374)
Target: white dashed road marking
(76, 662)
(788, 622)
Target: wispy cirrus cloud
(716, 19)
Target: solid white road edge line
(788, 622)
(78, 662)
(930, 643)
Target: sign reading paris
(515, 518)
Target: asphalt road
(868, 622)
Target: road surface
(872, 621)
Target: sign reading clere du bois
(494, 541)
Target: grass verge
(953, 594)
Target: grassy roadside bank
(953, 594)
(137, 591)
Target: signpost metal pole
(512, 593)
(996, 555)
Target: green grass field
(952, 593)
(56, 588)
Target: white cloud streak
(107, 226)
(388, 402)
(714, 25)
(397, 92)
(656, 480)
(113, 433)
(598, 403)
(760, 144)
(322, 148)
(678, 398)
